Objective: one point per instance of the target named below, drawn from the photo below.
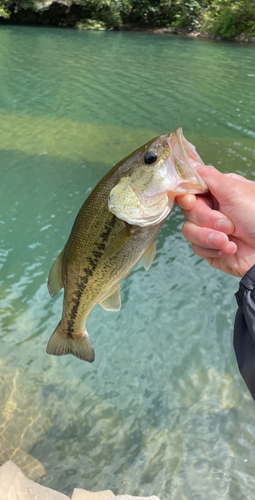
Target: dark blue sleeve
(244, 330)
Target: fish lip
(190, 182)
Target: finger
(204, 237)
(202, 215)
(186, 201)
(238, 177)
(210, 253)
(215, 180)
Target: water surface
(163, 409)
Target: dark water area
(163, 409)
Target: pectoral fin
(118, 241)
(149, 256)
(54, 279)
(112, 302)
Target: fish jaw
(176, 176)
(179, 168)
(140, 211)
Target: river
(163, 409)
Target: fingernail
(225, 224)
(217, 240)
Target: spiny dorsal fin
(118, 241)
(149, 256)
(54, 279)
(112, 302)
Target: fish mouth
(175, 176)
(178, 177)
(179, 168)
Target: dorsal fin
(55, 280)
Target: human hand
(221, 225)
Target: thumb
(216, 182)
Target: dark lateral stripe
(93, 263)
(101, 246)
(97, 254)
(89, 270)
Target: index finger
(203, 215)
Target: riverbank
(221, 20)
(190, 34)
(69, 21)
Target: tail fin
(81, 347)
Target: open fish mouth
(180, 166)
(150, 201)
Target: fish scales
(107, 240)
(91, 277)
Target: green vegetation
(223, 18)
(4, 12)
(91, 24)
(229, 18)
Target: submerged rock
(21, 424)
(79, 494)
(15, 486)
(128, 497)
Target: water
(163, 409)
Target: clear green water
(163, 409)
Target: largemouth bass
(117, 226)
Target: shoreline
(56, 13)
(242, 38)
(189, 34)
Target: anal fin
(55, 276)
(112, 302)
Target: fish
(116, 227)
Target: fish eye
(150, 157)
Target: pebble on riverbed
(14, 485)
